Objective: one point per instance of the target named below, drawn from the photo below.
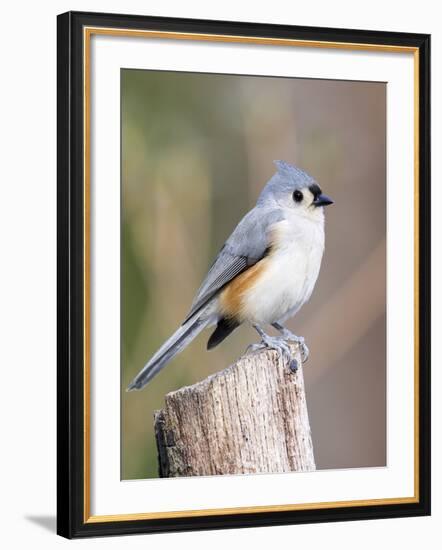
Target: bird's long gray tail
(176, 343)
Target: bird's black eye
(297, 196)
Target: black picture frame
(72, 521)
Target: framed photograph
(243, 274)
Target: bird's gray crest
(292, 172)
(287, 178)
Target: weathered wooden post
(249, 418)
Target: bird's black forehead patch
(315, 189)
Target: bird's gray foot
(278, 344)
(255, 347)
(288, 335)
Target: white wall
(27, 274)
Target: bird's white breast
(290, 273)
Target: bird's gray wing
(247, 245)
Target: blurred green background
(196, 151)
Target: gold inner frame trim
(87, 33)
(202, 37)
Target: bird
(264, 273)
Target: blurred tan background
(196, 151)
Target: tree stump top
(248, 418)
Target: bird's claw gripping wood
(305, 352)
(288, 335)
(277, 343)
(284, 352)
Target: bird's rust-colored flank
(231, 298)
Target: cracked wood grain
(249, 418)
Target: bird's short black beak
(322, 200)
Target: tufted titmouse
(263, 274)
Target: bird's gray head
(292, 188)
